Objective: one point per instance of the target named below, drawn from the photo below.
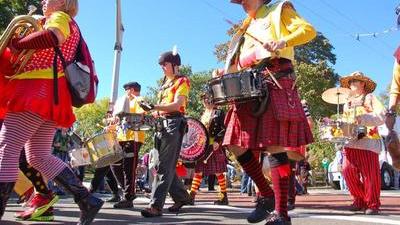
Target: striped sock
(253, 168)
(280, 180)
(196, 183)
(221, 182)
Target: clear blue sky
(196, 26)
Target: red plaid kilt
(215, 164)
(249, 132)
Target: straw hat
(370, 85)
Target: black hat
(170, 57)
(134, 85)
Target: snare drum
(79, 157)
(104, 150)
(195, 141)
(137, 121)
(235, 88)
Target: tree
(11, 8)
(89, 118)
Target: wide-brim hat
(370, 85)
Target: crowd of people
(266, 137)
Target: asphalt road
(322, 206)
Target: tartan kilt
(257, 133)
(215, 164)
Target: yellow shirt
(179, 86)
(128, 134)
(395, 87)
(273, 22)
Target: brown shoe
(151, 212)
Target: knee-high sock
(221, 182)
(196, 182)
(33, 175)
(280, 180)
(253, 168)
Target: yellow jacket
(275, 22)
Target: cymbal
(336, 95)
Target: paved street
(322, 206)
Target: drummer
(173, 97)
(361, 162)
(130, 141)
(213, 120)
(266, 41)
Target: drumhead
(195, 141)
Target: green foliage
(316, 51)
(89, 118)
(312, 81)
(319, 149)
(11, 8)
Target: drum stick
(252, 36)
(208, 157)
(273, 78)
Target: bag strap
(58, 53)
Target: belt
(172, 115)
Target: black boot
(5, 190)
(88, 204)
(264, 206)
(223, 200)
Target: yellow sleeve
(59, 20)
(300, 30)
(395, 86)
(183, 87)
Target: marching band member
(173, 97)
(213, 120)
(130, 141)
(361, 168)
(32, 114)
(266, 41)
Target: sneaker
(37, 206)
(275, 219)
(178, 205)
(124, 204)
(372, 212)
(46, 216)
(223, 199)
(264, 206)
(151, 212)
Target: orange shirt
(179, 86)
